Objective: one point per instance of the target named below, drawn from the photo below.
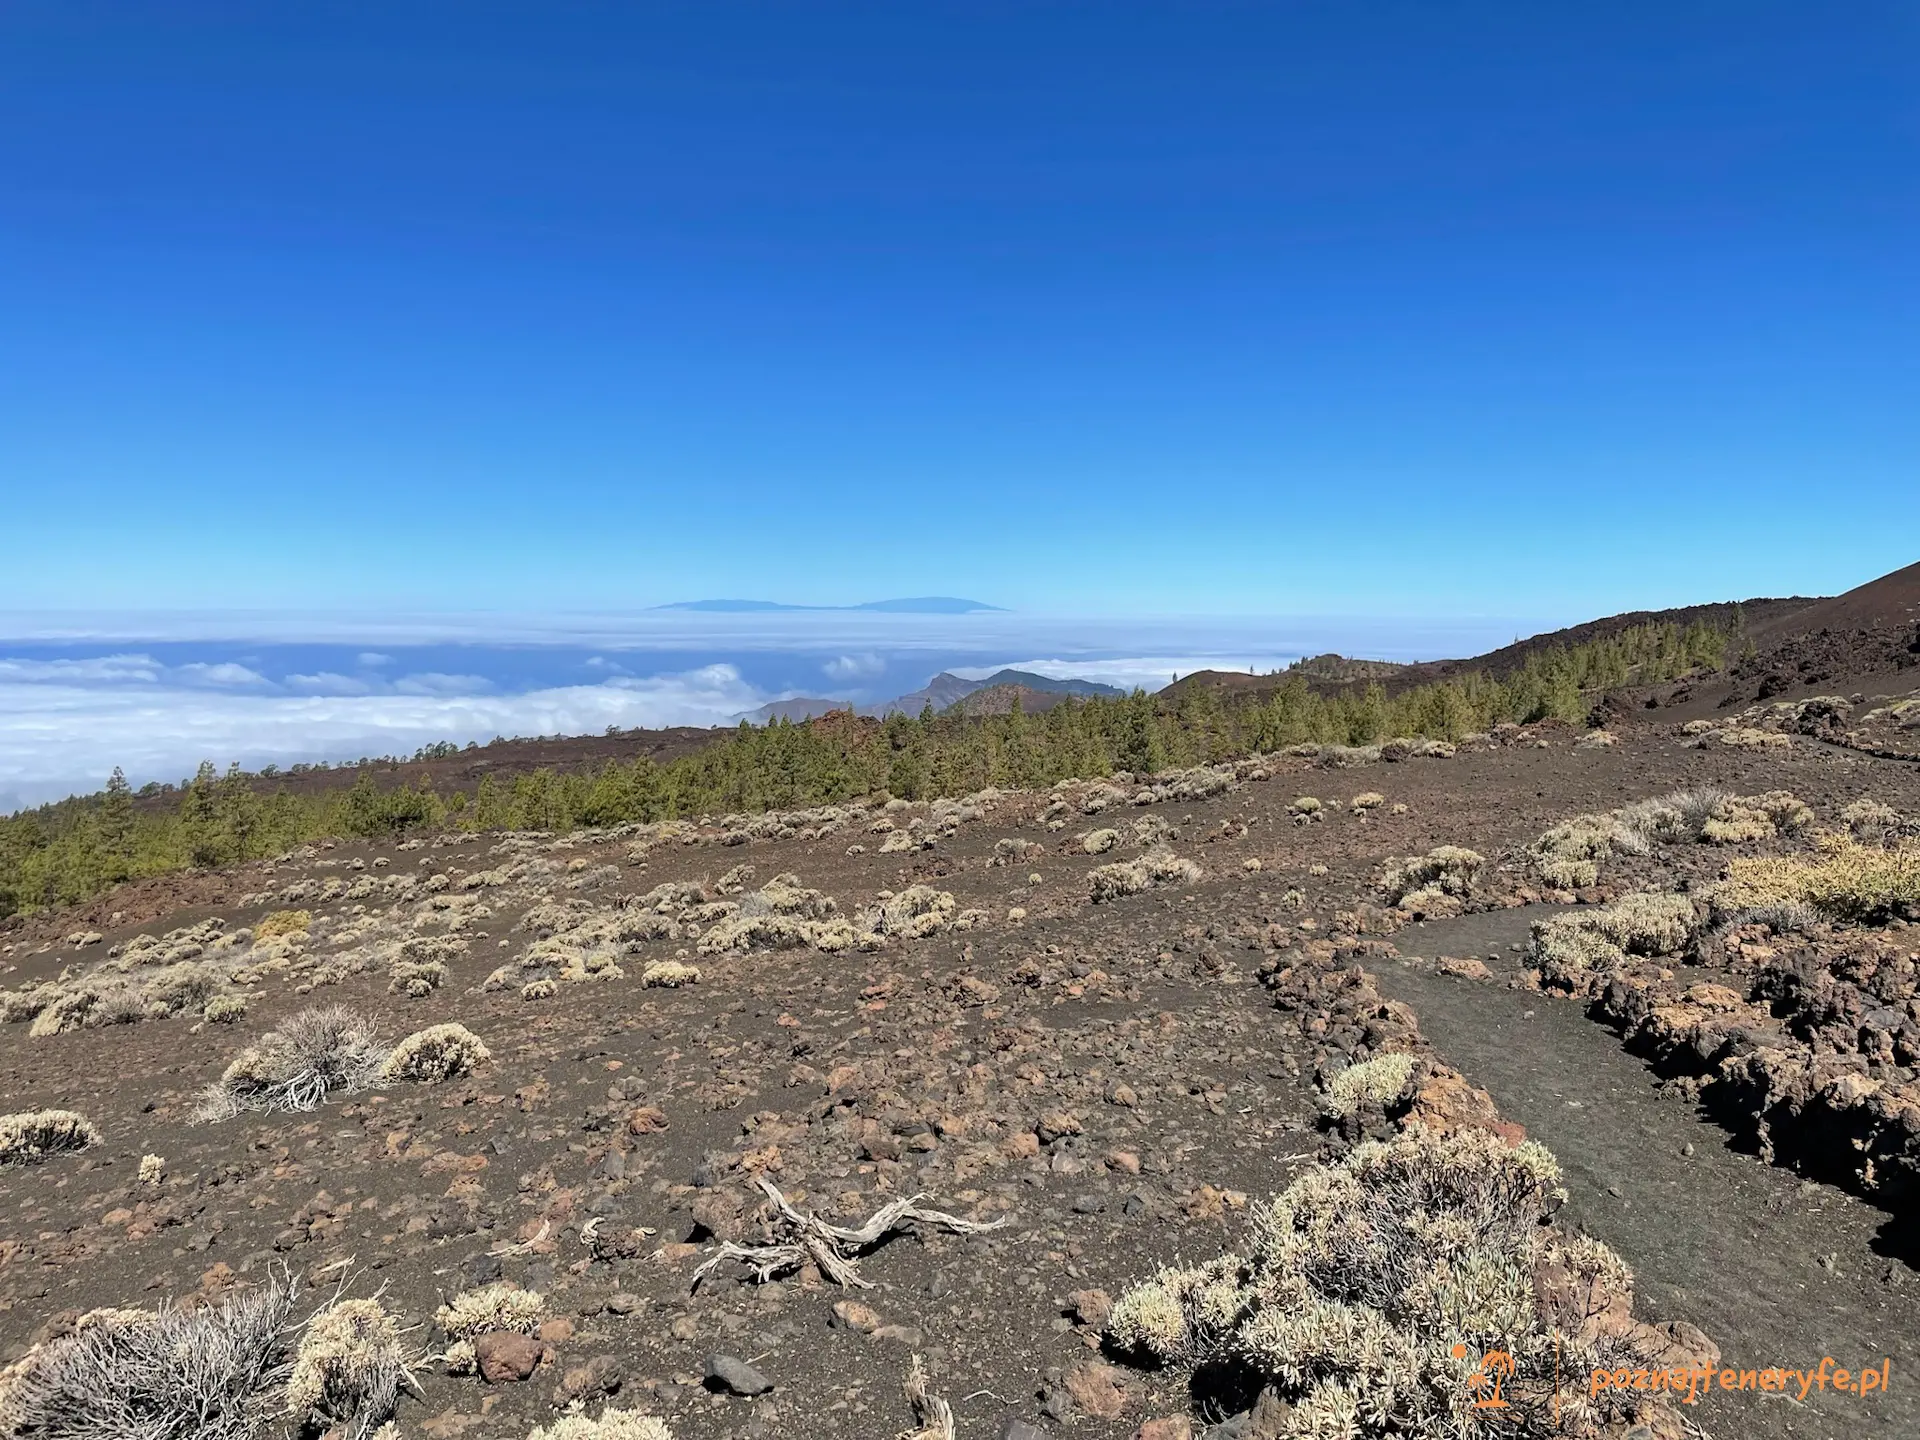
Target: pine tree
(116, 824)
(240, 814)
(200, 818)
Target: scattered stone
(506, 1357)
(1096, 1389)
(602, 1375)
(735, 1376)
(1091, 1307)
(852, 1315)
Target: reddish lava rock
(506, 1356)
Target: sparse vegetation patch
(34, 1135)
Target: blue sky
(454, 335)
(1103, 309)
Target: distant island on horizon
(915, 605)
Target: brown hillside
(1890, 602)
(1333, 672)
(998, 700)
(503, 760)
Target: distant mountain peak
(912, 605)
(1037, 692)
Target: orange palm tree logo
(1495, 1369)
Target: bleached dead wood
(933, 1413)
(835, 1249)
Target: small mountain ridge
(1000, 700)
(912, 605)
(943, 692)
(795, 710)
(1331, 672)
(946, 690)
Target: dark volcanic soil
(1112, 1080)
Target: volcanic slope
(1098, 1026)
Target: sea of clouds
(156, 695)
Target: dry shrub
(1575, 949)
(783, 914)
(1755, 817)
(580, 965)
(1869, 818)
(1342, 757)
(348, 1369)
(416, 978)
(1569, 855)
(489, 1308)
(1098, 842)
(224, 1009)
(1368, 800)
(1741, 737)
(32, 1135)
(170, 1374)
(87, 1006)
(1365, 1275)
(296, 1066)
(670, 974)
(440, 1052)
(1381, 1081)
(735, 880)
(1132, 877)
(26, 1002)
(612, 1425)
(1009, 849)
(179, 988)
(917, 911)
(1447, 870)
(283, 922)
(1848, 881)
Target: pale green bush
(32, 1135)
(1446, 869)
(612, 1425)
(349, 1368)
(1382, 1081)
(488, 1308)
(1577, 948)
(440, 1052)
(1365, 1275)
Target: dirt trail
(1778, 1272)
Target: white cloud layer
(225, 673)
(854, 667)
(66, 722)
(98, 670)
(58, 738)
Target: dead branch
(933, 1413)
(835, 1249)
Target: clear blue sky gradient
(1104, 308)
